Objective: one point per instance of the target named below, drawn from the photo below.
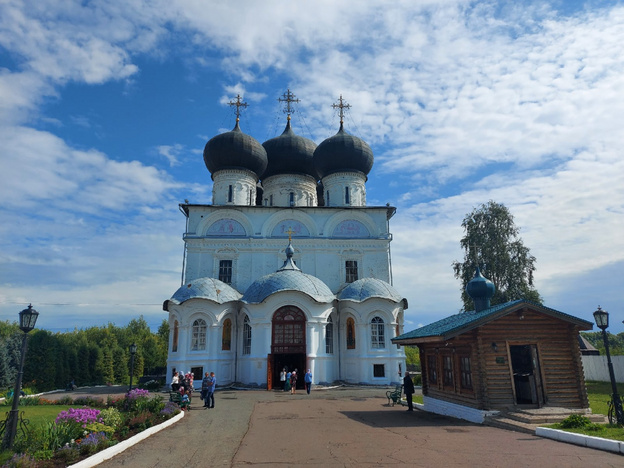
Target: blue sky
(105, 108)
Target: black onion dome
(235, 150)
(290, 154)
(343, 152)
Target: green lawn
(38, 414)
(599, 394)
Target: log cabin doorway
(288, 345)
(527, 375)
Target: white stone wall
(277, 190)
(243, 185)
(335, 184)
(433, 405)
(324, 240)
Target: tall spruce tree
(491, 241)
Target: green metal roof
(465, 321)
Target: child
(185, 403)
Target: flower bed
(83, 431)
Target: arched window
(378, 339)
(350, 333)
(246, 336)
(198, 341)
(174, 344)
(347, 196)
(226, 337)
(329, 336)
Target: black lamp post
(602, 320)
(28, 318)
(133, 350)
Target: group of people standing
(183, 383)
(289, 380)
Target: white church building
(287, 267)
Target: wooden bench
(394, 396)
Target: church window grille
(289, 331)
(379, 370)
(378, 339)
(447, 370)
(327, 200)
(225, 271)
(198, 341)
(246, 336)
(250, 197)
(174, 343)
(271, 200)
(351, 269)
(329, 336)
(347, 196)
(230, 194)
(292, 199)
(350, 333)
(432, 371)
(266, 202)
(226, 336)
(466, 372)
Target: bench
(394, 396)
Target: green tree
(412, 356)
(491, 239)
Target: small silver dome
(288, 280)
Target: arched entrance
(288, 345)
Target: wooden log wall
(561, 371)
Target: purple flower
(137, 393)
(82, 416)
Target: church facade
(288, 267)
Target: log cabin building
(505, 357)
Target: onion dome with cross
(343, 152)
(289, 153)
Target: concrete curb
(110, 452)
(598, 443)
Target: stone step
(510, 424)
(549, 418)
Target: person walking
(293, 382)
(204, 389)
(211, 389)
(308, 381)
(408, 388)
(287, 384)
(283, 378)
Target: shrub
(169, 410)
(89, 401)
(30, 401)
(20, 460)
(111, 417)
(152, 385)
(93, 443)
(575, 421)
(99, 427)
(66, 400)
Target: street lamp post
(133, 350)
(28, 318)
(602, 320)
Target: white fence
(596, 368)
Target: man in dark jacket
(408, 388)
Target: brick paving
(343, 427)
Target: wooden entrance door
(269, 372)
(526, 375)
(288, 343)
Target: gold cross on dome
(238, 103)
(342, 105)
(290, 232)
(288, 98)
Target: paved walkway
(341, 427)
